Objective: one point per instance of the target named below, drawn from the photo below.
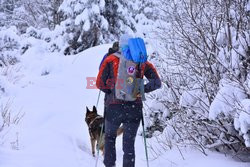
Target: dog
(95, 124)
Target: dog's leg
(103, 151)
(93, 146)
(102, 141)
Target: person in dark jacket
(117, 112)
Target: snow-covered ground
(53, 132)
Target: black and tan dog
(95, 122)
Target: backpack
(129, 82)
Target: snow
(86, 25)
(244, 117)
(242, 123)
(10, 34)
(105, 23)
(102, 4)
(156, 105)
(193, 158)
(82, 17)
(189, 98)
(78, 7)
(225, 100)
(53, 131)
(66, 8)
(1, 122)
(95, 9)
(7, 83)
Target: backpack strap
(117, 54)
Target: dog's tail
(120, 130)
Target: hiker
(117, 111)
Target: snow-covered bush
(26, 13)
(204, 65)
(9, 45)
(242, 121)
(8, 120)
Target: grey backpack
(128, 86)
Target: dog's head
(90, 115)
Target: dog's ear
(94, 109)
(87, 109)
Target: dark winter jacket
(108, 74)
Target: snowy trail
(53, 129)
(53, 132)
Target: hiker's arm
(153, 78)
(103, 76)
